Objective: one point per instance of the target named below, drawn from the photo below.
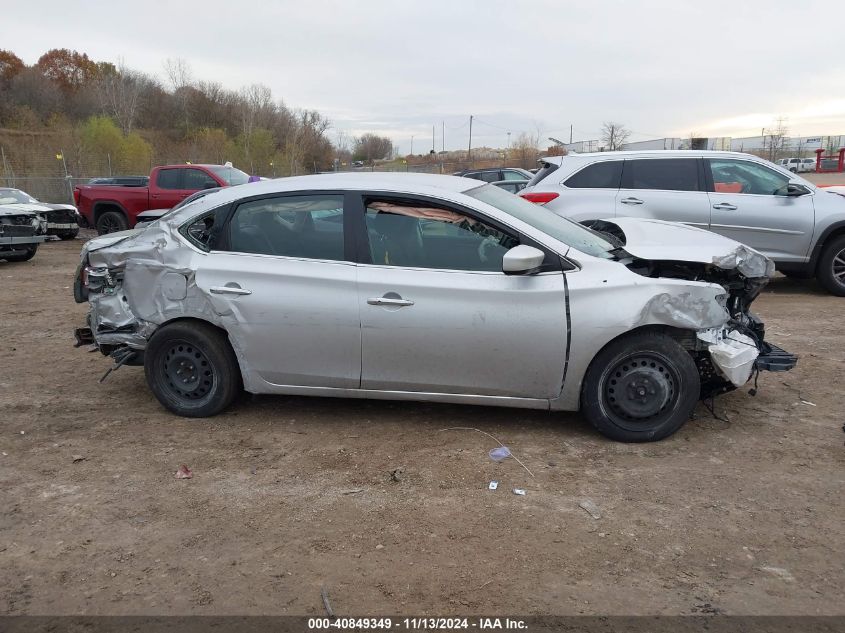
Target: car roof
(393, 182)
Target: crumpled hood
(671, 241)
(15, 209)
(41, 207)
(109, 239)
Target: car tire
(831, 267)
(68, 235)
(191, 369)
(22, 257)
(640, 388)
(111, 222)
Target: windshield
(230, 175)
(561, 229)
(14, 196)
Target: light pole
(412, 145)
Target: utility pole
(570, 134)
(412, 145)
(469, 147)
(432, 139)
(443, 125)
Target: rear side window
(603, 175)
(168, 179)
(672, 174)
(490, 176)
(545, 170)
(308, 227)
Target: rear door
(283, 279)
(590, 193)
(747, 207)
(439, 315)
(670, 189)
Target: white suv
(796, 224)
(798, 165)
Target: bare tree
(523, 151)
(614, 135)
(775, 139)
(120, 93)
(370, 147)
(178, 73)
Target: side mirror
(522, 260)
(793, 190)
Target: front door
(438, 315)
(670, 189)
(748, 206)
(283, 285)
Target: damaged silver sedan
(421, 287)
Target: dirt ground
(293, 494)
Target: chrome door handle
(631, 201)
(388, 301)
(229, 290)
(725, 206)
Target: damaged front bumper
(736, 356)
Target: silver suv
(798, 225)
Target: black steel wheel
(640, 388)
(191, 369)
(831, 267)
(111, 222)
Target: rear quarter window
(602, 175)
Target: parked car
(110, 208)
(496, 174)
(62, 219)
(21, 231)
(125, 181)
(426, 287)
(798, 165)
(514, 186)
(798, 225)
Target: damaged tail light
(539, 197)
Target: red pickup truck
(110, 208)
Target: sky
(399, 68)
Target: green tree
(135, 155)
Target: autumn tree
(10, 65)
(614, 135)
(68, 69)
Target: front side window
(742, 176)
(667, 174)
(513, 175)
(489, 176)
(419, 236)
(603, 175)
(168, 179)
(198, 179)
(292, 226)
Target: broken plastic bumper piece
(83, 336)
(773, 358)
